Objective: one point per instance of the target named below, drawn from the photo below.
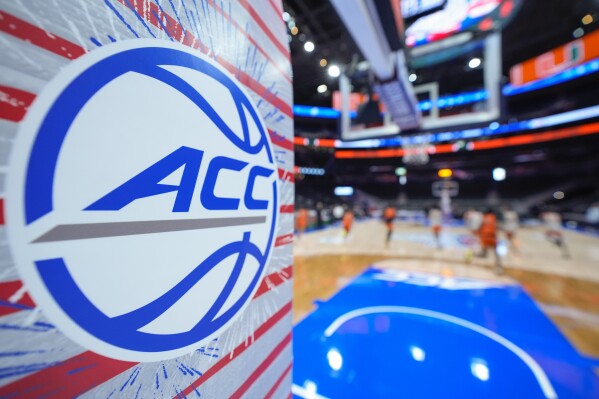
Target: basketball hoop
(445, 187)
(417, 150)
(445, 190)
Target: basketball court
(415, 321)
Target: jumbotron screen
(415, 8)
(455, 16)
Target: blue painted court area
(393, 334)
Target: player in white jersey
(472, 221)
(553, 231)
(511, 222)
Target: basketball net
(417, 150)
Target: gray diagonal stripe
(68, 232)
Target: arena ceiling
(539, 26)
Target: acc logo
(143, 201)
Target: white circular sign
(142, 201)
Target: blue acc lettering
(147, 183)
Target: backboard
(445, 187)
(443, 100)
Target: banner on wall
(148, 203)
(557, 60)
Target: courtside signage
(143, 200)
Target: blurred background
(444, 142)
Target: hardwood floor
(572, 304)
(319, 277)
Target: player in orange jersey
(389, 216)
(348, 221)
(487, 234)
(301, 221)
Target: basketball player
(348, 221)
(553, 231)
(472, 221)
(487, 234)
(389, 216)
(510, 225)
(301, 221)
(435, 218)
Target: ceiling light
(499, 174)
(587, 19)
(294, 30)
(558, 195)
(323, 62)
(474, 63)
(309, 46)
(403, 180)
(322, 89)
(334, 71)
(444, 173)
(344, 191)
(578, 32)
(412, 77)
(286, 16)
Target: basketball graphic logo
(143, 207)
